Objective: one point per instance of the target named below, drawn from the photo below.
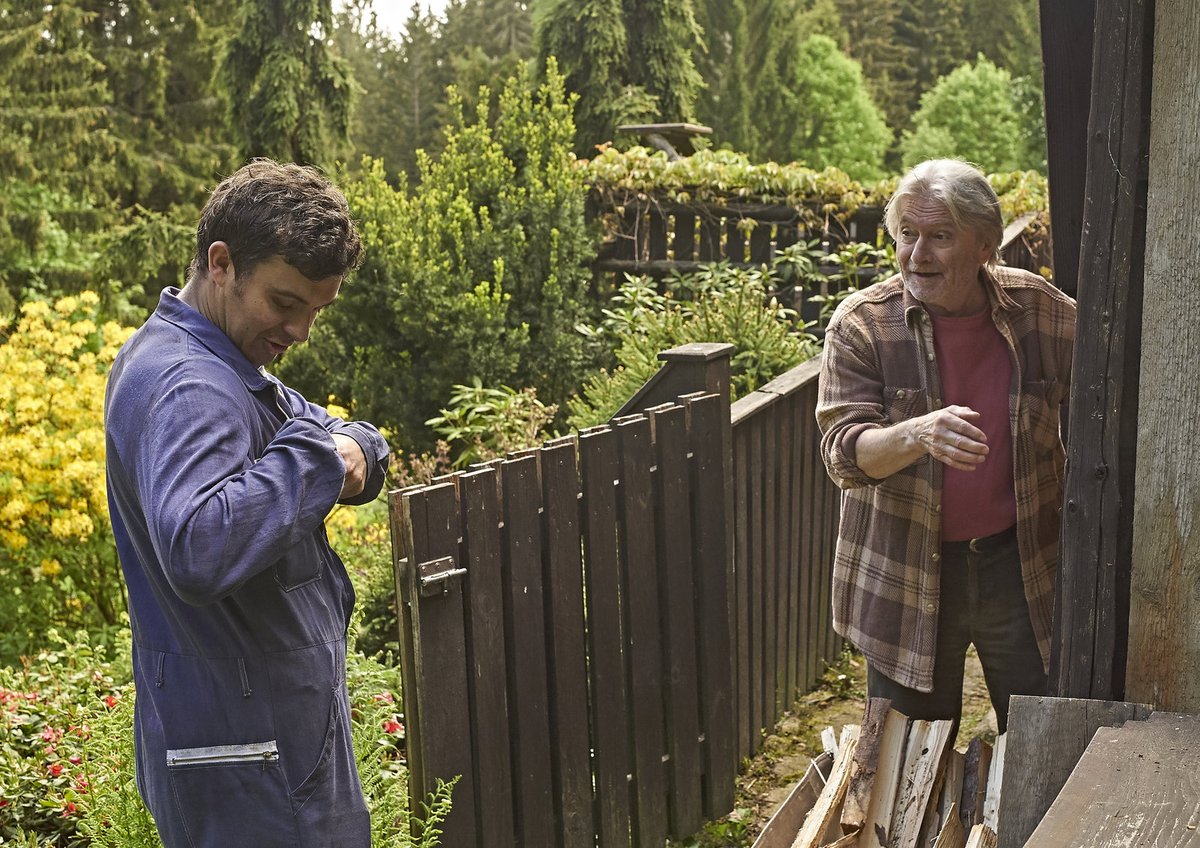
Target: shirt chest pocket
(301, 564)
(901, 403)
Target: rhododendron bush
(58, 565)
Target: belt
(981, 544)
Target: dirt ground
(785, 753)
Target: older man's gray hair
(961, 188)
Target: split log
(991, 802)
(865, 764)
(829, 805)
(982, 836)
(975, 772)
(927, 743)
(952, 834)
(886, 783)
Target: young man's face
(940, 261)
(272, 308)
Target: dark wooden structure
(1110, 73)
(596, 631)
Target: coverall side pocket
(330, 807)
(232, 795)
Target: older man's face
(940, 261)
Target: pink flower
(75, 760)
(50, 734)
(384, 698)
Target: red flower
(392, 726)
(68, 809)
(384, 698)
(81, 783)
(3, 802)
(110, 701)
(55, 769)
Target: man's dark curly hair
(266, 209)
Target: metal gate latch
(436, 576)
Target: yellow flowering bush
(58, 565)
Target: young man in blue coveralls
(219, 480)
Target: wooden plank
(760, 243)
(952, 788)
(786, 822)
(735, 240)
(811, 467)
(706, 435)
(643, 642)
(991, 801)
(1134, 785)
(757, 529)
(866, 764)
(931, 825)
(1046, 738)
(710, 238)
(927, 741)
(656, 235)
(677, 591)
(793, 521)
(609, 702)
(741, 527)
(684, 243)
(444, 735)
(525, 626)
(827, 809)
(400, 526)
(567, 648)
(772, 696)
(487, 662)
(885, 786)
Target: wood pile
(893, 782)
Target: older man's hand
(356, 466)
(950, 436)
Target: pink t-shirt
(976, 371)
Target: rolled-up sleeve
(849, 401)
(370, 440)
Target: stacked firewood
(899, 783)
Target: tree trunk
(1164, 638)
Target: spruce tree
(287, 94)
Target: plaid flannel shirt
(880, 369)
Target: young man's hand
(356, 466)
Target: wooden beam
(827, 810)
(1092, 609)
(1066, 64)
(1164, 632)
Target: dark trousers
(982, 602)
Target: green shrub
(480, 272)
(484, 423)
(720, 304)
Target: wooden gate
(567, 636)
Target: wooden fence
(595, 631)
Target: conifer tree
(288, 95)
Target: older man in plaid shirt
(939, 406)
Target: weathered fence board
(598, 463)
(487, 662)
(607, 623)
(644, 635)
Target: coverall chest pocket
(301, 564)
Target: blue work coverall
(219, 480)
